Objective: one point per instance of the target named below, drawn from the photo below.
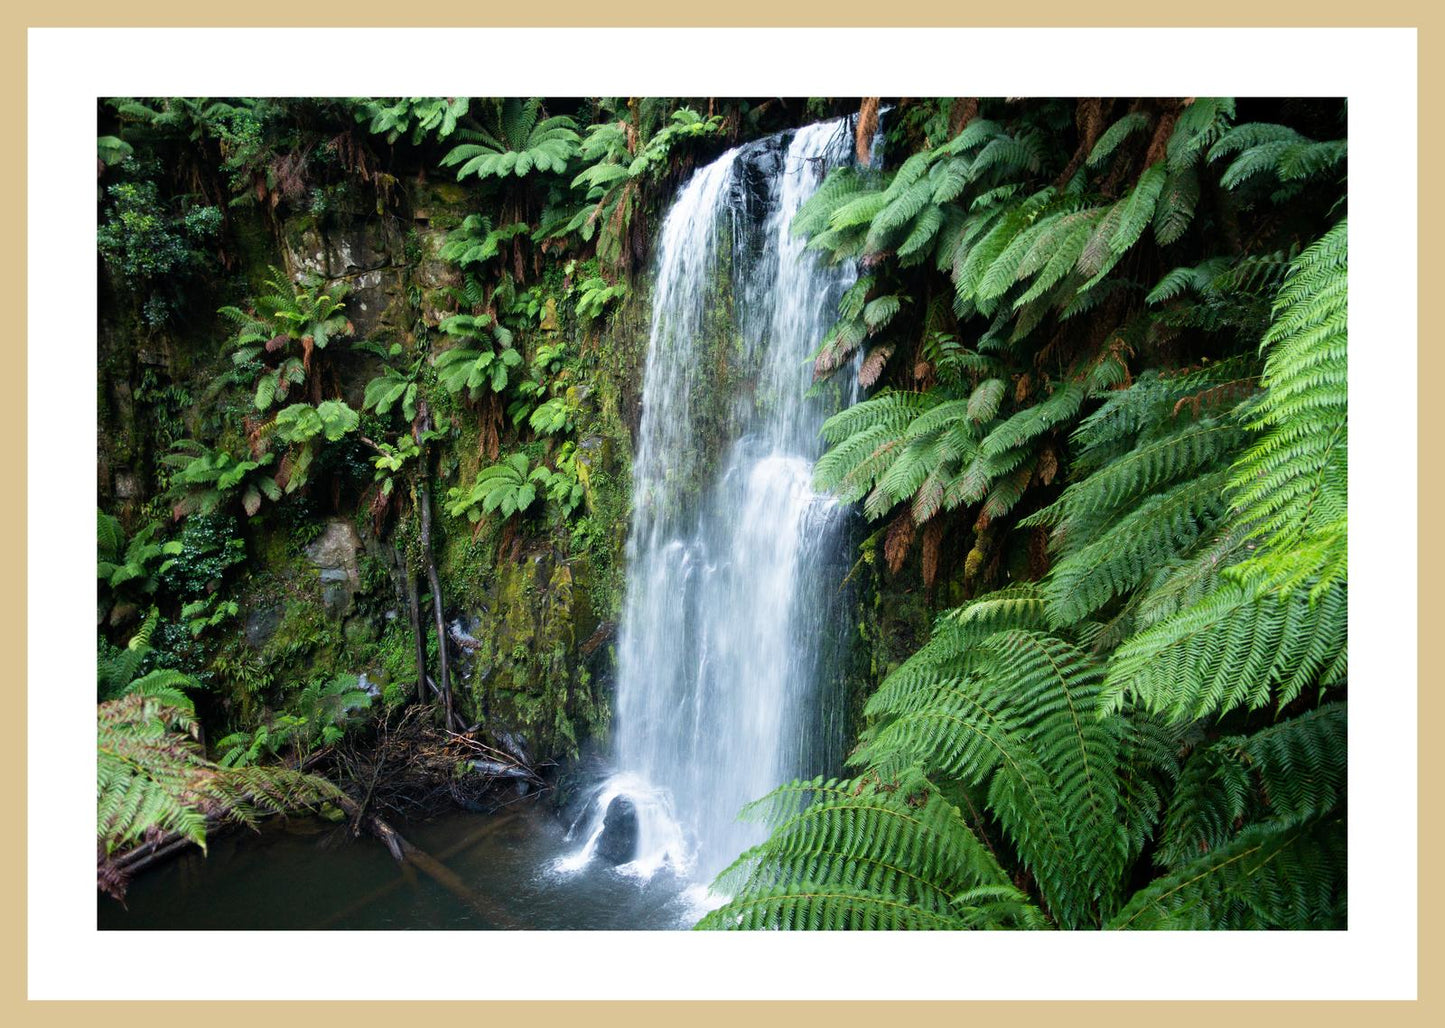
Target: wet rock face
(618, 843)
(334, 555)
(367, 255)
(517, 657)
(261, 624)
(759, 165)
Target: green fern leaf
(1138, 207)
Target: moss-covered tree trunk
(422, 426)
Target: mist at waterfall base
(734, 563)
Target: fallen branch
(403, 852)
(500, 759)
(408, 878)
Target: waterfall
(733, 561)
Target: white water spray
(733, 559)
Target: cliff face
(319, 579)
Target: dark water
(310, 875)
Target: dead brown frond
(1038, 553)
(1159, 142)
(283, 471)
(1047, 466)
(873, 364)
(932, 543)
(867, 126)
(286, 177)
(1089, 119)
(900, 537)
(965, 109)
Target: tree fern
(892, 854)
(483, 360)
(1235, 648)
(152, 780)
(129, 566)
(416, 117)
(1293, 480)
(205, 479)
(523, 143)
(475, 242)
(1290, 772)
(1016, 716)
(508, 487)
(1270, 876)
(1193, 580)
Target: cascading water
(733, 559)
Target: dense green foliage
(1139, 720)
(369, 377)
(360, 383)
(153, 779)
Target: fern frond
(109, 537)
(1138, 207)
(1004, 153)
(1289, 877)
(1295, 478)
(1115, 134)
(1098, 566)
(975, 258)
(1065, 247)
(1023, 722)
(825, 908)
(1175, 209)
(898, 210)
(1237, 647)
(1179, 584)
(814, 215)
(1290, 772)
(1031, 422)
(1198, 127)
(923, 231)
(866, 853)
(1148, 467)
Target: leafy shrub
(144, 241)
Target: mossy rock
(524, 671)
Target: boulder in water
(618, 842)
